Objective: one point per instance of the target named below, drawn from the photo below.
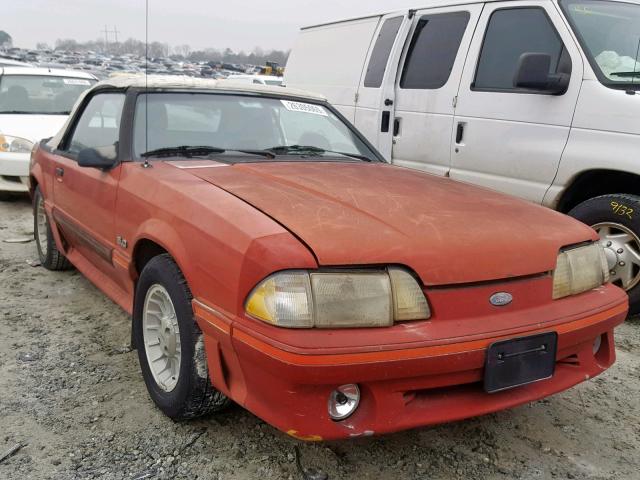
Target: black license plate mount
(520, 361)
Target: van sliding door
(427, 85)
(376, 96)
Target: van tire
(193, 394)
(623, 211)
(50, 257)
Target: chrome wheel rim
(161, 337)
(622, 249)
(42, 222)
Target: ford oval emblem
(501, 299)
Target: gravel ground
(72, 396)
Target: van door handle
(59, 172)
(386, 120)
(396, 127)
(459, 133)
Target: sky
(237, 24)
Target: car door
(507, 138)
(84, 198)
(428, 83)
(376, 93)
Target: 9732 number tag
(622, 210)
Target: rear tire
(50, 257)
(616, 218)
(171, 345)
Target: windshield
(610, 35)
(40, 94)
(236, 123)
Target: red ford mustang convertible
(268, 255)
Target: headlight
(15, 144)
(579, 270)
(341, 299)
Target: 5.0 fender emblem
(121, 242)
(501, 299)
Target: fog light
(343, 401)
(597, 343)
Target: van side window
(99, 123)
(433, 50)
(510, 33)
(381, 51)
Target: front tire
(50, 257)
(616, 218)
(170, 344)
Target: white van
(34, 104)
(536, 98)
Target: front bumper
(14, 172)
(400, 389)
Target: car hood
(377, 214)
(31, 127)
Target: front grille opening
(438, 393)
(11, 178)
(570, 360)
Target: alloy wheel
(43, 226)
(161, 335)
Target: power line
(106, 37)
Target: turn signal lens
(283, 299)
(343, 299)
(409, 302)
(579, 270)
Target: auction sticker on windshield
(304, 108)
(76, 81)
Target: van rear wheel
(616, 218)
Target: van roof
(50, 72)
(431, 4)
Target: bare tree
(5, 39)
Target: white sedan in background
(34, 104)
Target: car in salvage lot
(34, 104)
(270, 256)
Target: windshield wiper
(285, 149)
(183, 151)
(263, 153)
(625, 74)
(190, 151)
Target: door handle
(386, 120)
(459, 133)
(396, 127)
(59, 172)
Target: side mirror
(103, 158)
(533, 74)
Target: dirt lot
(71, 393)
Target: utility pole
(115, 33)
(106, 38)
